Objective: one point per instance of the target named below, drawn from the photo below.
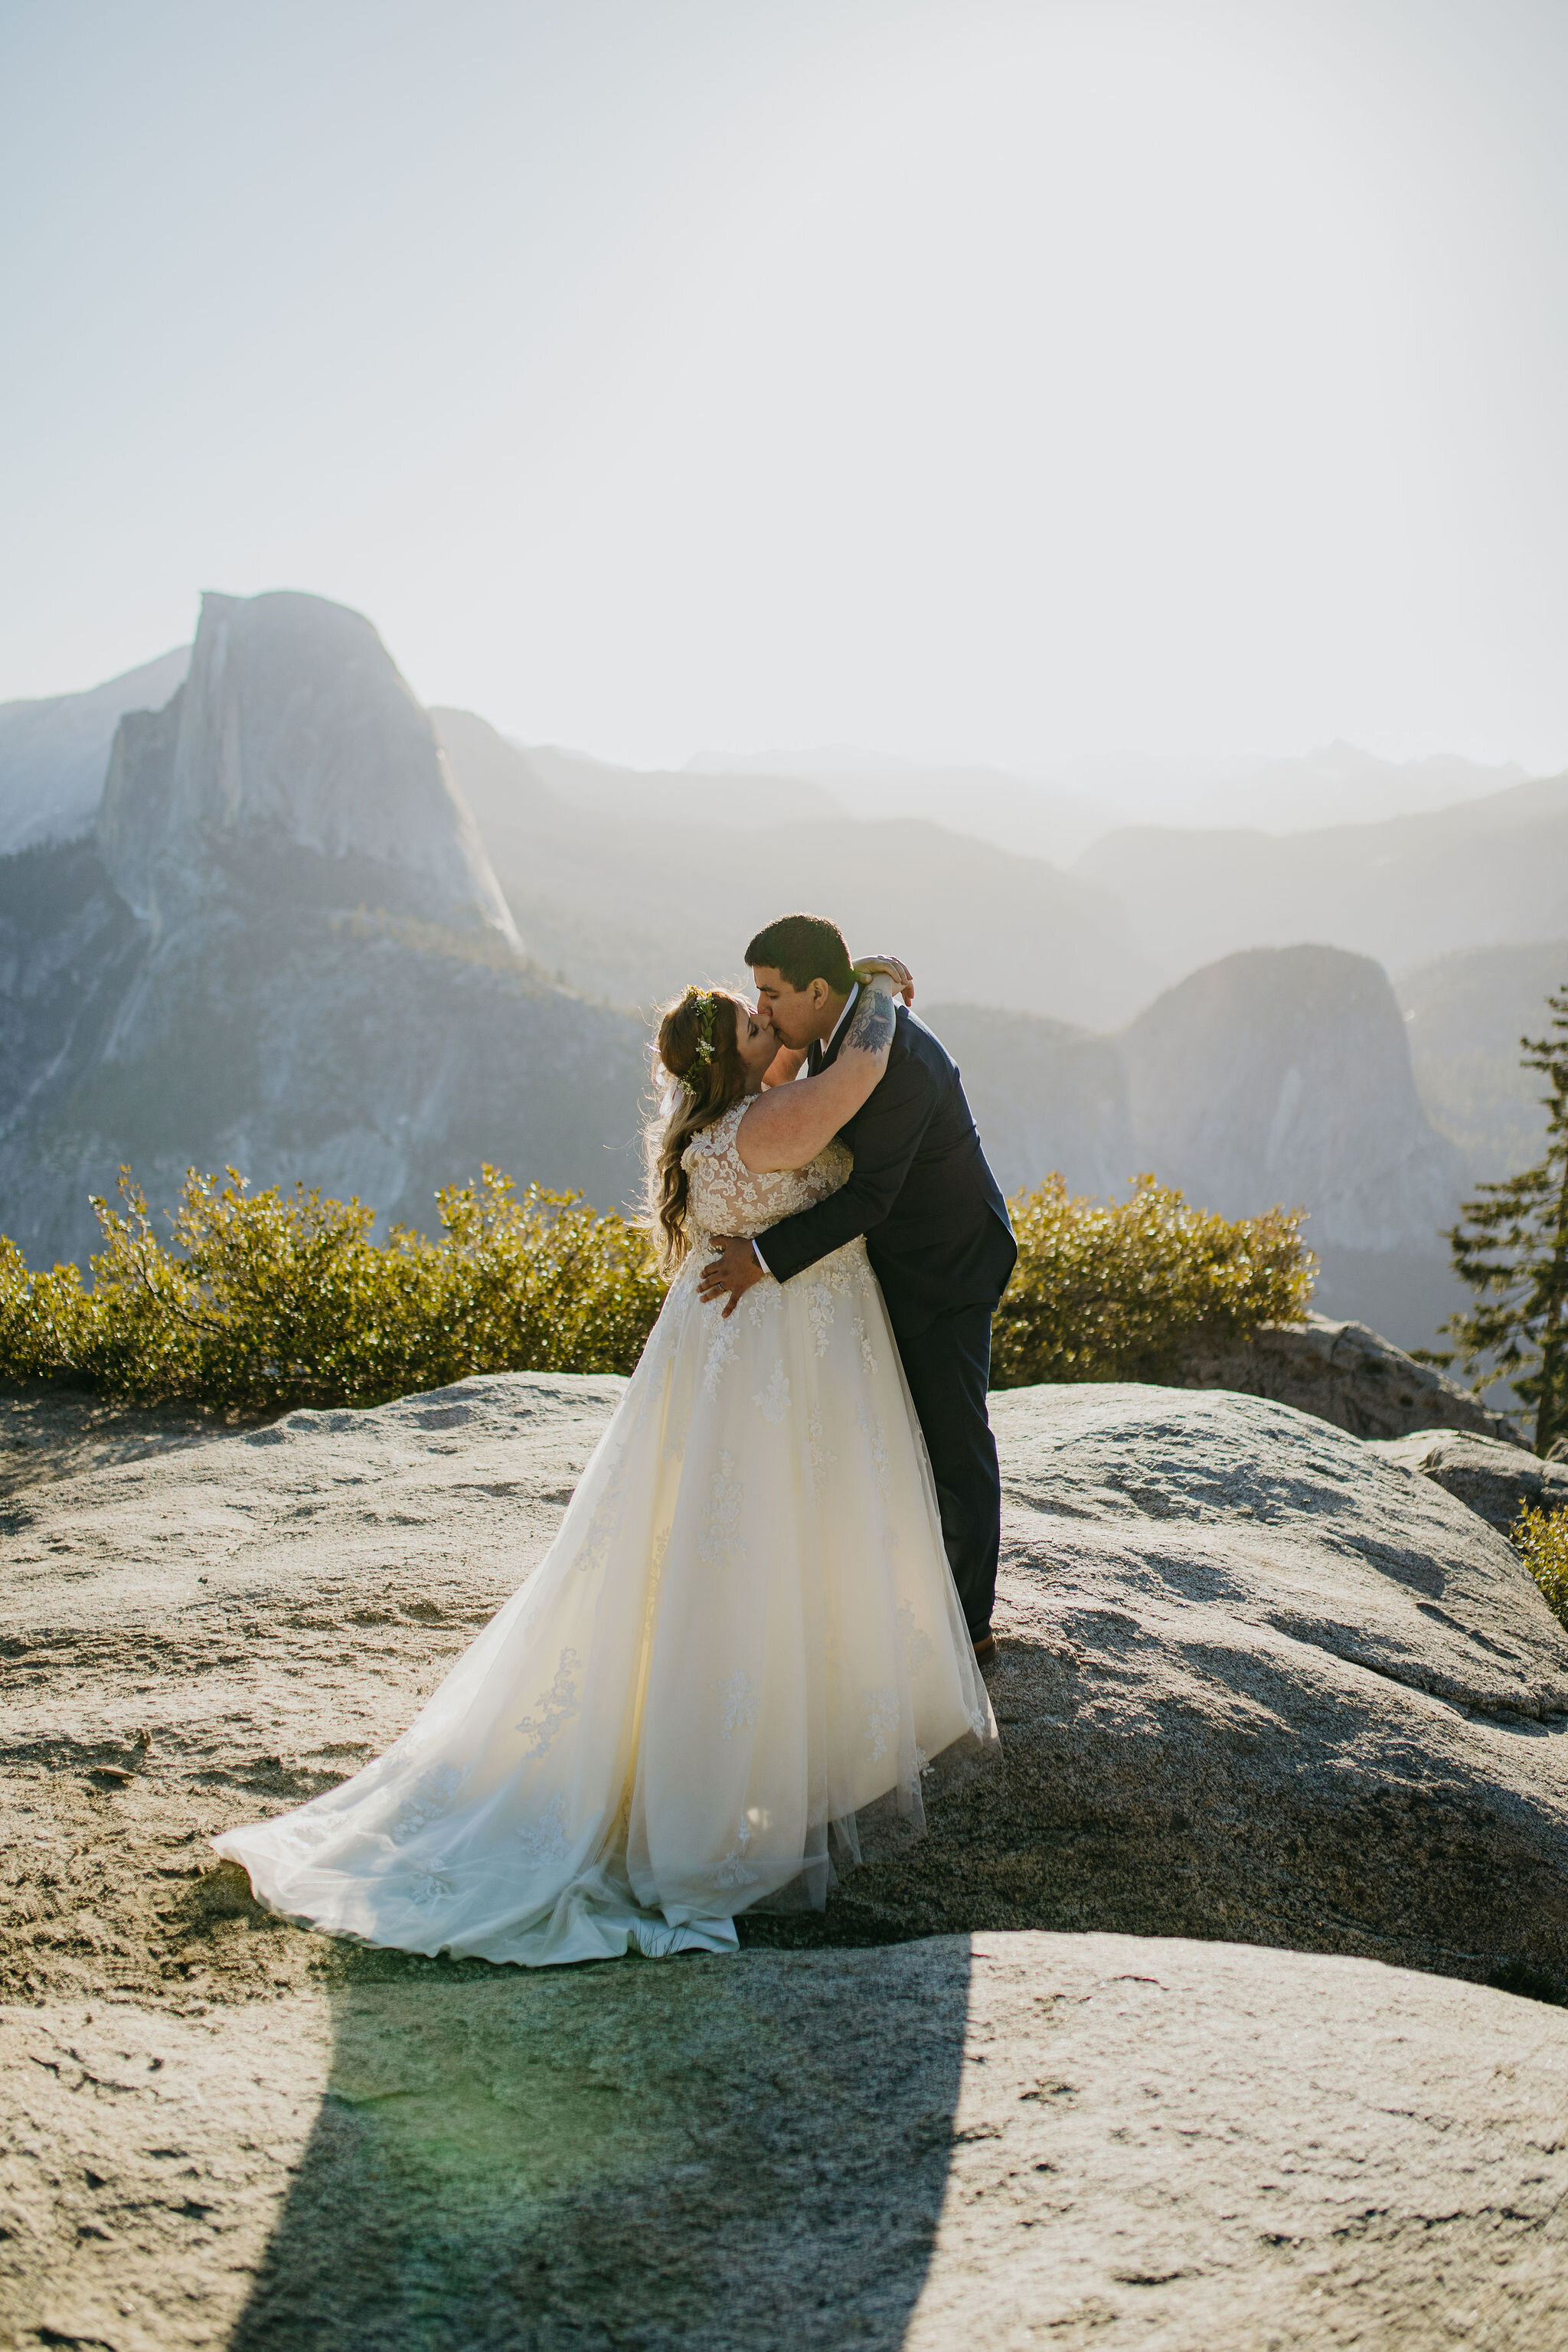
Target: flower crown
(703, 999)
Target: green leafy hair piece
(703, 1052)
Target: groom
(936, 1232)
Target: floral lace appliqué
(430, 1796)
(543, 1839)
(819, 1315)
(722, 1351)
(737, 1704)
(726, 1197)
(773, 1403)
(732, 1871)
(881, 1721)
(558, 1706)
(917, 1643)
(717, 1544)
(429, 1887)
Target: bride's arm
(788, 1126)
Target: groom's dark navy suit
(937, 1237)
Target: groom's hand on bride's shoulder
(729, 1274)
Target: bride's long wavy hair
(695, 1090)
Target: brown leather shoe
(985, 1649)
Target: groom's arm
(888, 1134)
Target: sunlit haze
(967, 380)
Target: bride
(744, 1650)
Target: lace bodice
(726, 1198)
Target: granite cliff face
(294, 732)
(1283, 1074)
(284, 949)
(1280, 1074)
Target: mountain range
(1278, 1075)
(257, 906)
(282, 945)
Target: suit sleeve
(888, 1134)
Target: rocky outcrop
(1096, 2142)
(1343, 1373)
(1283, 1074)
(1487, 1476)
(1278, 1077)
(293, 732)
(1275, 1707)
(54, 752)
(1256, 1681)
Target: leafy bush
(1542, 1539)
(1116, 1290)
(273, 1299)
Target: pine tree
(1511, 1247)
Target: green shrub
(1542, 1541)
(272, 1299)
(1117, 1290)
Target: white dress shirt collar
(849, 1009)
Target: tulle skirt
(730, 1674)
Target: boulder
(1496, 1479)
(1347, 1374)
(1094, 2141)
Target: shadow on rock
(639, 2154)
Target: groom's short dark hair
(804, 948)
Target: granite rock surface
(1008, 2141)
(1494, 1478)
(1348, 1374)
(1109, 2057)
(1256, 1681)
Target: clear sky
(990, 378)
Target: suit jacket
(936, 1225)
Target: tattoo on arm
(871, 1025)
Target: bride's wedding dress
(743, 1650)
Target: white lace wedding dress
(737, 1659)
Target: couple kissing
(759, 1630)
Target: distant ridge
(54, 753)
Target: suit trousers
(948, 1367)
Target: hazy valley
(273, 912)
